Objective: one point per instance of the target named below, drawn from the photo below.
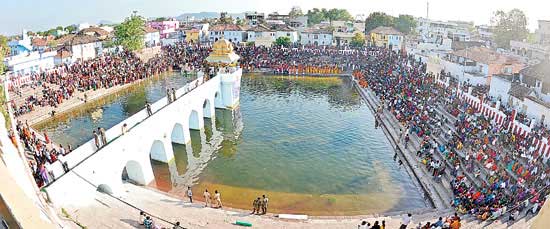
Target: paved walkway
(107, 212)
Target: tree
(296, 11)
(338, 15)
(108, 44)
(4, 51)
(377, 19)
(511, 25)
(50, 32)
(358, 40)
(129, 34)
(161, 19)
(405, 23)
(71, 28)
(315, 16)
(226, 20)
(282, 41)
(240, 21)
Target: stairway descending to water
(442, 189)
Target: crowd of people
(105, 71)
(43, 152)
(491, 170)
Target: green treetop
(129, 34)
(511, 25)
(315, 15)
(358, 40)
(282, 41)
(4, 51)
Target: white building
(344, 31)
(477, 65)
(20, 46)
(263, 35)
(27, 63)
(230, 32)
(63, 56)
(537, 77)
(81, 46)
(431, 31)
(82, 26)
(254, 18)
(286, 31)
(502, 86)
(173, 38)
(152, 37)
(538, 50)
(299, 23)
(543, 32)
(316, 37)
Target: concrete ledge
(291, 216)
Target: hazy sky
(43, 14)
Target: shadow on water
(208, 129)
(196, 142)
(180, 158)
(163, 178)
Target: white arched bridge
(149, 137)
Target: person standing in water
(218, 199)
(265, 201)
(206, 195)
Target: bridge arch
(194, 120)
(218, 102)
(160, 153)
(207, 109)
(104, 189)
(179, 134)
(135, 172)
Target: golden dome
(222, 47)
(222, 53)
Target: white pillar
(231, 88)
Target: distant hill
(203, 15)
(106, 22)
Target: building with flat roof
(254, 18)
(312, 36)
(231, 32)
(477, 65)
(388, 37)
(164, 27)
(32, 62)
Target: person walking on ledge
(124, 128)
(190, 194)
(173, 94)
(102, 135)
(148, 107)
(96, 140)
